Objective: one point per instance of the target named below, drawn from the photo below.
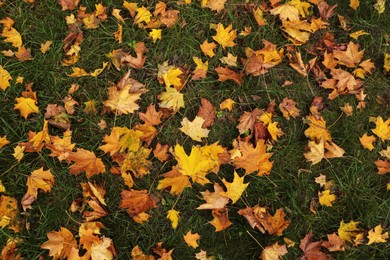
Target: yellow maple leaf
(354, 4)
(61, 147)
(348, 231)
(326, 198)
(274, 131)
(194, 129)
(196, 165)
(4, 141)
(382, 129)
(286, 12)
(9, 212)
(123, 101)
(302, 7)
(45, 46)
(317, 129)
(274, 252)
(367, 141)
(26, 106)
(171, 77)
(122, 139)
(175, 180)
(208, 48)
(192, 239)
(215, 5)
(234, 188)
(173, 216)
(143, 15)
(375, 235)
(225, 36)
(380, 6)
(5, 77)
(171, 98)
(12, 36)
(19, 152)
(356, 34)
(155, 34)
(316, 152)
(227, 104)
(230, 60)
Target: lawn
(262, 127)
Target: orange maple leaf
(85, 160)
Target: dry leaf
(194, 129)
(273, 252)
(375, 235)
(207, 112)
(192, 239)
(85, 161)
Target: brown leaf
(248, 119)
(60, 243)
(274, 252)
(138, 61)
(151, 116)
(288, 108)
(207, 112)
(225, 73)
(312, 250)
(68, 4)
(326, 11)
(297, 64)
(334, 243)
(214, 200)
(23, 54)
(161, 152)
(85, 160)
(221, 219)
(350, 57)
(383, 166)
(136, 202)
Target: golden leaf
(208, 48)
(348, 231)
(225, 36)
(274, 252)
(234, 188)
(4, 141)
(171, 98)
(12, 36)
(192, 239)
(5, 77)
(123, 101)
(354, 4)
(375, 235)
(60, 243)
(367, 141)
(382, 129)
(194, 129)
(155, 34)
(326, 198)
(85, 160)
(173, 216)
(26, 106)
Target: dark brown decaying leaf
(207, 112)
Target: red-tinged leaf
(207, 112)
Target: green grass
(361, 192)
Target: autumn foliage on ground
(177, 129)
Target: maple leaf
(192, 239)
(171, 99)
(4, 141)
(68, 4)
(161, 152)
(175, 180)
(143, 15)
(138, 61)
(227, 104)
(171, 77)
(326, 11)
(207, 112)
(214, 200)
(201, 69)
(354, 4)
(5, 77)
(252, 159)
(19, 152)
(383, 166)
(136, 202)
(12, 36)
(225, 73)
(194, 129)
(61, 147)
(155, 34)
(9, 212)
(326, 198)
(288, 108)
(60, 243)
(380, 6)
(230, 60)
(122, 139)
(367, 141)
(248, 119)
(260, 218)
(234, 188)
(382, 129)
(334, 243)
(39, 179)
(350, 57)
(348, 231)
(221, 219)
(26, 106)
(10, 249)
(274, 252)
(312, 250)
(317, 129)
(375, 235)
(208, 48)
(85, 160)
(103, 249)
(225, 36)
(316, 152)
(173, 216)
(297, 64)
(215, 5)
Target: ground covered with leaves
(207, 129)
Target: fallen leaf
(175, 180)
(19, 152)
(273, 252)
(136, 202)
(221, 219)
(155, 34)
(26, 106)
(208, 48)
(200, 70)
(234, 188)
(367, 141)
(312, 250)
(347, 109)
(348, 231)
(194, 129)
(192, 239)
(215, 5)
(375, 235)
(288, 108)
(354, 4)
(225, 73)
(356, 34)
(316, 152)
(171, 99)
(382, 129)
(4, 141)
(173, 216)
(383, 166)
(214, 200)
(227, 104)
(207, 112)
(85, 160)
(326, 198)
(68, 4)
(230, 60)
(5, 77)
(45, 46)
(334, 243)
(60, 243)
